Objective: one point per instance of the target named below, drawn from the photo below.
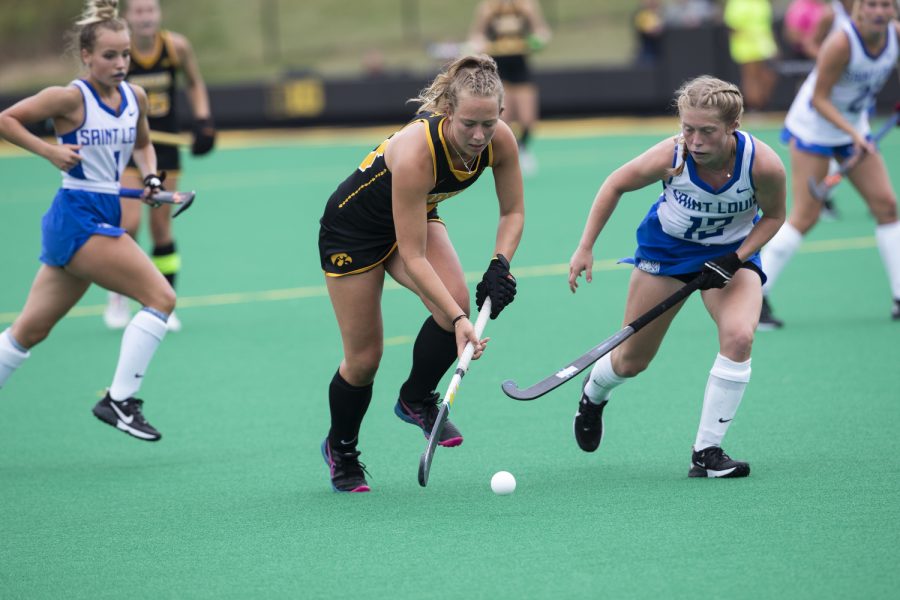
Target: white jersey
(853, 94)
(106, 137)
(690, 209)
(840, 15)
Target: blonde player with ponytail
(723, 195)
(382, 220)
(100, 122)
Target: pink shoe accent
(452, 442)
(362, 488)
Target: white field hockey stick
(597, 352)
(182, 200)
(819, 190)
(444, 413)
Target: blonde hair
(475, 73)
(97, 14)
(709, 93)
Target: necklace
(468, 165)
(728, 168)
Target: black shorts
(168, 158)
(687, 277)
(345, 250)
(514, 68)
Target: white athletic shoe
(174, 323)
(117, 314)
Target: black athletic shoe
(767, 320)
(424, 414)
(713, 462)
(126, 416)
(895, 311)
(588, 423)
(347, 473)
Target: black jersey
(155, 72)
(508, 28)
(359, 221)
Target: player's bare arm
(510, 192)
(62, 104)
(638, 173)
(771, 191)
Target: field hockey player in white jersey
(100, 120)
(706, 223)
(830, 118)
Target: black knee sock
(168, 261)
(523, 137)
(348, 407)
(433, 353)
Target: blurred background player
(157, 56)
(99, 121)
(753, 48)
(383, 220)
(706, 222)
(835, 14)
(510, 30)
(829, 118)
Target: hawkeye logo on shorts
(341, 259)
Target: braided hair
(97, 14)
(476, 74)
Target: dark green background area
(235, 499)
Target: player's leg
(527, 107)
(117, 313)
(119, 265)
(356, 300)
(871, 178)
(628, 359)
(735, 310)
(434, 350)
(53, 293)
(165, 255)
(805, 210)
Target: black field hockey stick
(182, 200)
(444, 413)
(819, 190)
(596, 353)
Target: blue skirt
(72, 219)
(659, 253)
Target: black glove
(716, 273)
(155, 182)
(204, 136)
(497, 283)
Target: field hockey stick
(819, 190)
(596, 353)
(444, 413)
(170, 139)
(182, 200)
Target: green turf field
(235, 501)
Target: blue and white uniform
(691, 222)
(853, 95)
(88, 202)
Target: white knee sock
(602, 380)
(12, 355)
(724, 390)
(139, 342)
(778, 252)
(888, 239)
